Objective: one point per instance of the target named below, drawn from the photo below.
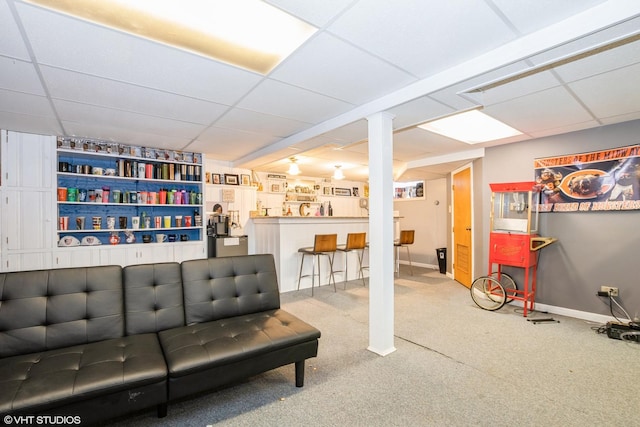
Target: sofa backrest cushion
(152, 297)
(217, 288)
(48, 309)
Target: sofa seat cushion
(56, 377)
(201, 346)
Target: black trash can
(442, 259)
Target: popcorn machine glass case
(514, 208)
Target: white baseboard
(569, 312)
(561, 311)
(420, 264)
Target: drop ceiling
(544, 67)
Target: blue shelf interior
(88, 210)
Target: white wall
(342, 205)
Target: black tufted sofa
(100, 342)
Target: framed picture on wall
(230, 179)
(342, 191)
(245, 179)
(215, 178)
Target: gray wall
(594, 248)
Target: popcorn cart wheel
(514, 242)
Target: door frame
(473, 217)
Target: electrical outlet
(609, 290)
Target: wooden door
(462, 249)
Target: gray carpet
(455, 365)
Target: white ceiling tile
(361, 147)
(573, 127)
(19, 76)
(416, 143)
(611, 94)
(551, 108)
(352, 75)
(228, 144)
(530, 16)
(252, 121)
(72, 86)
(418, 111)
(345, 157)
(137, 123)
(11, 43)
(355, 131)
(517, 88)
(589, 42)
(272, 97)
(91, 49)
(621, 118)
(30, 124)
(24, 103)
(313, 145)
(318, 13)
(434, 35)
(606, 61)
(453, 100)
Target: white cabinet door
(149, 253)
(72, 257)
(187, 251)
(28, 161)
(27, 201)
(124, 254)
(157, 253)
(115, 255)
(23, 261)
(28, 219)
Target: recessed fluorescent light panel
(472, 127)
(247, 33)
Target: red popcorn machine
(513, 242)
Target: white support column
(381, 261)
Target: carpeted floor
(455, 365)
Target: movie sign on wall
(607, 180)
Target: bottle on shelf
(330, 209)
(321, 213)
(289, 211)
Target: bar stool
(324, 245)
(356, 242)
(406, 239)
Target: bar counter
(283, 236)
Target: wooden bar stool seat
(356, 242)
(406, 239)
(324, 245)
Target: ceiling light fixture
(337, 174)
(472, 127)
(293, 167)
(247, 33)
